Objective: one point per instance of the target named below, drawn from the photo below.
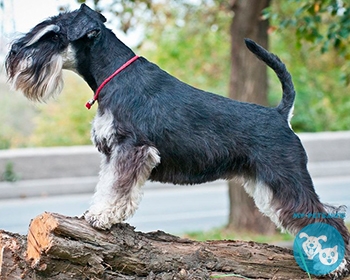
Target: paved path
(172, 209)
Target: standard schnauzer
(150, 125)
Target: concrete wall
(58, 162)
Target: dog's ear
(87, 10)
(87, 22)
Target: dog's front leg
(100, 214)
(118, 191)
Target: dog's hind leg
(306, 203)
(292, 203)
(118, 191)
(285, 199)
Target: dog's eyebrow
(41, 33)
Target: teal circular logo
(318, 248)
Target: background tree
(248, 83)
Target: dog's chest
(103, 131)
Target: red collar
(121, 68)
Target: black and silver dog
(150, 125)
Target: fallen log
(60, 247)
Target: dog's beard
(38, 82)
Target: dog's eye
(55, 37)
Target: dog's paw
(341, 271)
(98, 220)
(103, 216)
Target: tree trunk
(248, 83)
(59, 247)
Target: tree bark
(248, 83)
(59, 247)
(248, 80)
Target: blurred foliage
(189, 39)
(325, 24)
(62, 121)
(126, 15)
(9, 175)
(192, 42)
(323, 100)
(323, 95)
(65, 121)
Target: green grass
(224, 234)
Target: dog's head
(35, 61)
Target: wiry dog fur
(150, 125)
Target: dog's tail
(285, 108)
